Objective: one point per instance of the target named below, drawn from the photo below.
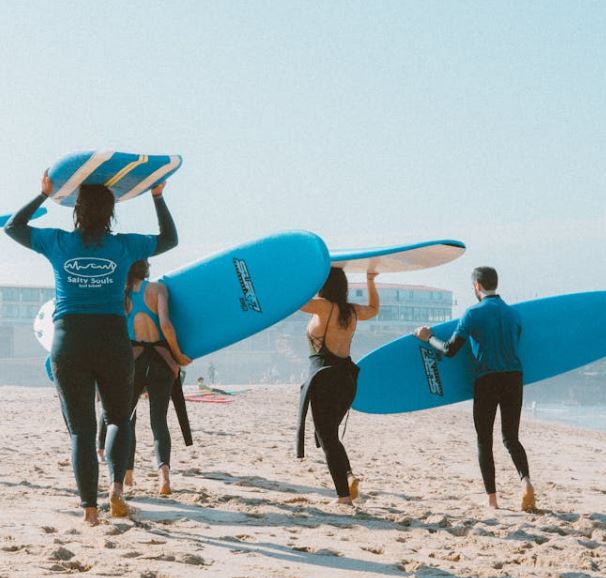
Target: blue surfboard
(558, 334)
(234, 294)
(398, 258)
(5, 218)
(222, 299)
(127, 175)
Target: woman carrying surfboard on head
(91, 345)
(157, 359)
(331, 386)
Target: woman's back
(334, 320)
(90, 279)
(142, 311)
(325, 329)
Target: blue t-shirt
(90, 278)
(494, 329)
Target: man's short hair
(485, 276)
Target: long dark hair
(94, 213)
(335, 291)
(138, 271)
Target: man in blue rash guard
(494, 330)
(91, 345)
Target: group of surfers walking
(115, 337)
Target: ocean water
(592, 417)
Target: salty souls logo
(90, 267)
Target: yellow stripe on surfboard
(127, 169)
(175, 163)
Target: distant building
(19, 305)
(18, 308)
(406, 305)
(21, 355)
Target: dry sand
(243, 506)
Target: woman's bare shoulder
(157, 287)
(317, 306)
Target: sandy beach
(244, 507)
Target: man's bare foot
(528, 498)
(165, 481)
(354, 486)
(345, 500)
(492, 501)
(101, 456)
(118, 508)
(91, 516)
(129, 478)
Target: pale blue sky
(369, 123)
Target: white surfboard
(398, 258)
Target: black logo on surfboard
(248, 301)
(432, 371)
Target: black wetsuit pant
(331, 397)
(502, 390)
(89, 351)
(152, 372)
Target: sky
(370, 123)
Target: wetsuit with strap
(150, 352)
(330, 391)
(160, 346)
(321, 359)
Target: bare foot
(492, 501)
(354, 486)
(91, 516)
(118, 508)
(528, 498)
(129, 479)
(101, 456)
(165, 481)
(345, 500)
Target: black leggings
(91, 350)
(151, 371)
(331, 397)
(490, 391)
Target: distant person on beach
(212, 373)
(91, 345)
(494, 330)
(157, 359)
(208, 390)
(331, 386)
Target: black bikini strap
(327, 322)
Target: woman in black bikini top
(331, 386)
